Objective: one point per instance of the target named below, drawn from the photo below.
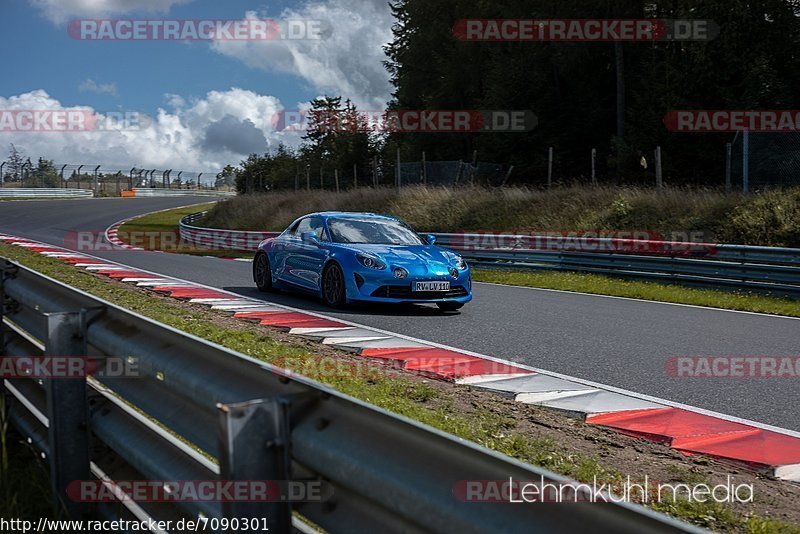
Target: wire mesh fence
(760, 160)
(105, 179)
(752, 161)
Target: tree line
(602, 95)
(610, 97)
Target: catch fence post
(745, 162)
(659, 177)
(728, 150)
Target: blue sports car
(350, 257)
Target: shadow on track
(313, 304)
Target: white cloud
(59, 11)
(91, 86)
(204, 134)
(175, 101)
(347, 62)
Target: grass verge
(159, 231)
(618, 287)
(529, 433)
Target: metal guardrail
(198, 411)
(161, 192)
(7, 192)
(216, 238)
(772, 270)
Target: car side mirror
(431, 239)
(310, 238)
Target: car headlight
(460, 263)
(370, 262)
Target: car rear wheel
(262, 272)
(333, 288)
(450, 306)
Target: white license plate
(431, 286)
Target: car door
(279, 251)
(304, 261)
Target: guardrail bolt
(322, 423)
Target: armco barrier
(161, 192)
(196, 411)
(45, 193)
(771, 270)
(220, 239)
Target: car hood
(404, 255)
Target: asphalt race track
(619, 342)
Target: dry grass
(769, 219)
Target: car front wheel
(333, 288)
(262, 272)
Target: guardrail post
(254, 445)
(7, 270)
(67, 412)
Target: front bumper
(369, 285)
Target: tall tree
(15, 162)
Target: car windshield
(372, 231)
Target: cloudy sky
(207, 103)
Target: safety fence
(189, 410)
(772, 270)
(105, 178)
(45, 193)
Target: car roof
(349, 215)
